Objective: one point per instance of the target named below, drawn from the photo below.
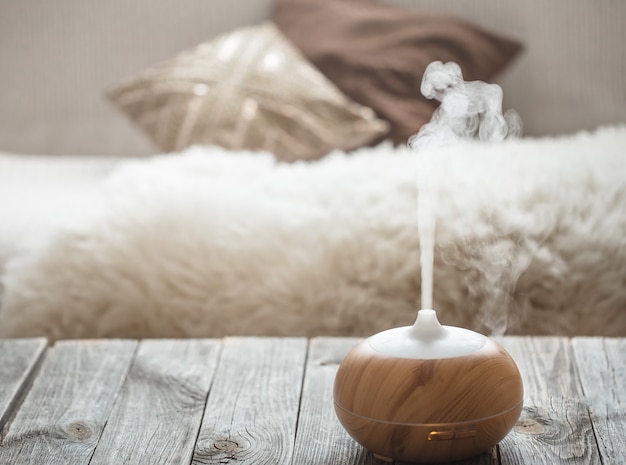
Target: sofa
(128, 209)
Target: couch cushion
(249, 89)
(377, 53)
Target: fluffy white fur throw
(530, 239)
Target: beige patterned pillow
(250, 89)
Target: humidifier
(427, 392)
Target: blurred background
(57, 58)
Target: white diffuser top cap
(427, 339)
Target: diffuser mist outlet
(427, 392)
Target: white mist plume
(468, 110)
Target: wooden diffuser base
(428, 410)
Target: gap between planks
(21, 361)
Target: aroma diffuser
(427, 392)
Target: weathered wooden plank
(602, 369)
(251, 413)
(554, 427)
(62, 416)
(20, 360)
(157, 414)
(321, 439)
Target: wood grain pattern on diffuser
(428, 410)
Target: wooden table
(269, 401)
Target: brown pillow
(377, 53)
(250, 89)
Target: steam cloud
(468, 110)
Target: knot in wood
(226, 445)
(529, 426)
(77, 430)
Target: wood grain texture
(157, 414)
(321, 439)
(602, 369)
(555, 427)
(252, 410)
(391, 404)
(62, 417)
(264, 408)
(20, 362)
